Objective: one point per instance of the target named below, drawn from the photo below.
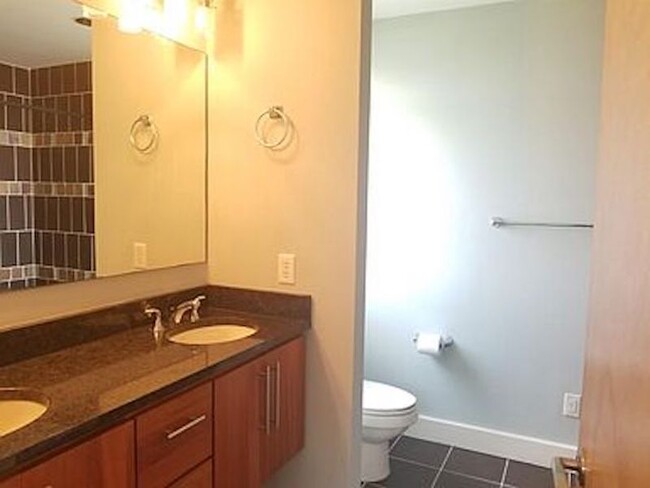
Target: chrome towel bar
(498, 222)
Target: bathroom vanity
(152, 413)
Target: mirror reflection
(102, 172)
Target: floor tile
(524, 475)
(452, 480)
(475, 464)
(408, 475)
(420, 451)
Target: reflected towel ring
(144, 122)
(274, 113)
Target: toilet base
(374, 461)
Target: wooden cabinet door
(11, 483)
(615, 426)
(259, 417)
(236, 426)
(289, 415)
(108, 461)
(285, 438)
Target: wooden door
(107, 461)
(615, 428)
(237, 423)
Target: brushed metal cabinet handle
(262, 376)
(278, 393)
(191, 424)
(268, 400)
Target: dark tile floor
(420, 464)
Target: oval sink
(20, 407)
(213, 334)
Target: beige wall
(306, 56)
(157, 199)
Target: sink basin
(213, 334)
(20, 407)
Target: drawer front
(200, 477)
(174, 437)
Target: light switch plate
(287, 269)
(571, 405)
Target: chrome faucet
(158, 327)
(192, 306)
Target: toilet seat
(381, 400)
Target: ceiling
(37, 33)
(397, 8)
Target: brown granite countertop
(97, 384)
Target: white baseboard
(518, 447)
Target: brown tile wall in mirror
(46, 175)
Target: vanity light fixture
(135, 14)
(92, 13)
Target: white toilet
(387, 412)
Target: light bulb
(201, 18)
(131, 16)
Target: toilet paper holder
(445, 341)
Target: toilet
(387, 412)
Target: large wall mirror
(102, 147)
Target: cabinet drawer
(200, 477)
(174, 437)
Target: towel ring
(274, 113)
(144, 122)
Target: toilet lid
(378, 397)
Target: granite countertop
(97, 384)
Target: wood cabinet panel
(259, 417)
(285, 438)
(11, 483)
(290, 417)
(174, 437)
(200, 477)
(236, 423)
(104, 462)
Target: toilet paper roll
(430, 343)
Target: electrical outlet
(571, 405)
(287, 269)
(139, 255)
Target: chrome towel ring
(274, 113)
(142, 124)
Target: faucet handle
(196, 304)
